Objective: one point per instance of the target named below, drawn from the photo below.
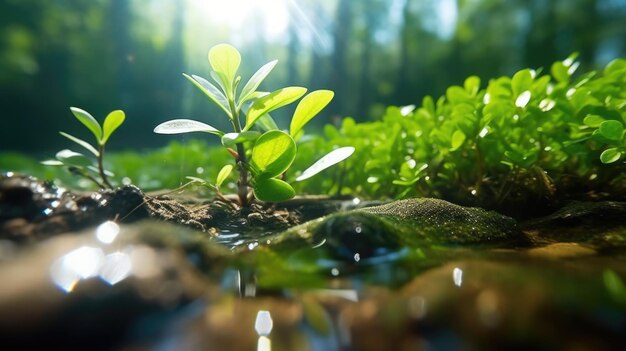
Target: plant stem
(242, 184)
(83, 173)
(101, 167)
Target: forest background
(102, 55)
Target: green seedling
(80, 164)
(262, 152)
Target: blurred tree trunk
(586, 32)
(372, 12)
(340, 80)
(175, 60)
(120, 19)
(541, 43)
(403, 81)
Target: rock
(601, 225)
(379, 231)
(447, 223)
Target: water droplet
(334, 272)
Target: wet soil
(31, 209)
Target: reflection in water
(112, 267)
(7, 250)
(117, 267)
(247, 283)
(82, 263)
(417, 307)
(107, 232)
(457, 276)
(263, 326)
(145, 262)
(348, 294)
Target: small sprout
(270, 150)
(79, 163)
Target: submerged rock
(601, 225)
(407, 224)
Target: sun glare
(242, 15)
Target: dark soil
(32, 209)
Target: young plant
(262, 155)
(78, 163)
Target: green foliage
(78, 163)
(269, 150)
(528, 137)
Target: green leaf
(326, 161)
(616, 66)
(223, 174)
(71, 158)
(273, 153)
(82, 143)
(457, 94)
(232, 139)
(593, 121)
(111, 123)
(95, 170)
(211, 91)
(180, 126)
(610, 155)
(472, 85)
(308, 108)
(560, 72)
(52, 163)
(458, 137)
(254, 82)
(273, 190)
(88, 121)
(521, 81)
(266, 123)
(272, 101)
(611, 129)
(225, 61)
